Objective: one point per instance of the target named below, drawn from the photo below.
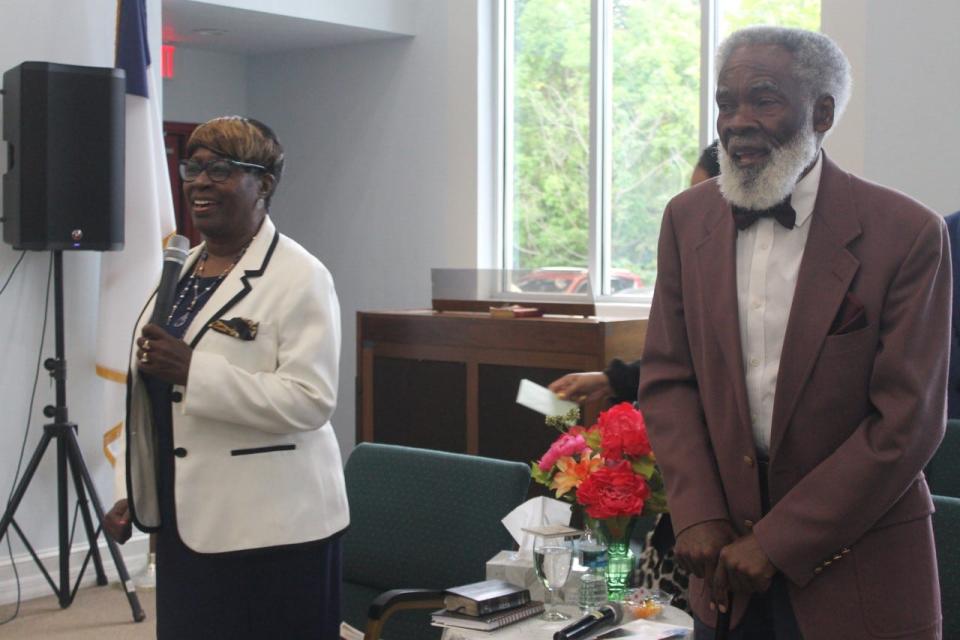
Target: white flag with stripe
(128, 277)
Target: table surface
(536, 629)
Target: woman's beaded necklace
(194, 286)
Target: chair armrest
(389, 602)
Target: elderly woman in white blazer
(231, 457)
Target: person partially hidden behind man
(953, 379)
(795, 365)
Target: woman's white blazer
(257, 462)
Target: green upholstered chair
(420, 519)
(946, 530)
(943, 472)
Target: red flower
(613, 490)
(624, 432)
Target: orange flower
(572, 472)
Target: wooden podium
(448, 380)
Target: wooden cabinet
(448, 380)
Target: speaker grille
(65, 127)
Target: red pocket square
(851, 317)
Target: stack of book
(486, 605)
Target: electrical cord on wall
(26, 432)
(12, 271)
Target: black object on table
(723, 620)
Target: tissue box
(519, 571)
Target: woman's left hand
(162, 356)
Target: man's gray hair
(819, 64)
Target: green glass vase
(615, 534)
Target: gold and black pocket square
(240, 328)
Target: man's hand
(163, 356)
(116, 522)
(582, 387)
(698, 547)
(743, 567)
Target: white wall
(382, 15)
(381, 181)
(902, 128)
(206, 84)
(76, 32)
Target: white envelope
(542, 400)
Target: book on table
(489, 622)
(486, 597)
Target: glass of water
(552, 558)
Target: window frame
(600, 215)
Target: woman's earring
(260, 203)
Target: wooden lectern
(448, 379)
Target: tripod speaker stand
(68, 455)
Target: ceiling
(223, 29)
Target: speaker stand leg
(68, 452)
(77, 460)
(88, 523)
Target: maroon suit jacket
(859, 406)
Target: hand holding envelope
(542, 400)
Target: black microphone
(609, 615)
(173, 258)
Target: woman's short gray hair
(820, 65)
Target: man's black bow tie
(782, 213)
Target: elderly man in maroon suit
(795, 366)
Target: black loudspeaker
(64, 126)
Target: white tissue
(535, 512)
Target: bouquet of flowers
(609, 469)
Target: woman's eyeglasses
(217, 170)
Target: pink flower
(565, 445)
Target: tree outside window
(645, 75)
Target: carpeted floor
(97, 613)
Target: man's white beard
(761, 187)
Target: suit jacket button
(180, 452)
(748, 524)
(748, 460)
(818, 570)
(176, 396)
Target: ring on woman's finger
(145, 358)
(146, 344)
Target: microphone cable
(26, 432)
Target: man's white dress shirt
(768, 262)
